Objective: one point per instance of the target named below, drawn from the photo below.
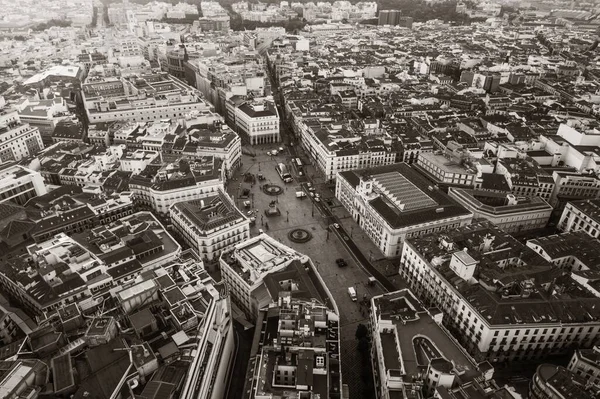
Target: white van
(352, 293)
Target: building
(586, 364)
(18, 140)
(81, 269)
(581, 215)
(446, 171)
(159, 186)
(44, 115)
(19, 184)
(210, 226)
(394, 203)
(21, 377)
(258, 122)
(506, 211)
(246, 267)
(403, 330)
(573, 252)
(217, 141)
(500, 299)
(299, 351)
(140, 98)
(572, 186)
(556, 382)
(335, 147)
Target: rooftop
(403, 197)
(512, 283)
(417, 340)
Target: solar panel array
(402, 192)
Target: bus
(283, 173)
(298, 162)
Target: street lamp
(313, 210)
(351, 231)
(288, 215)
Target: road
(324, 247)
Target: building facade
(393, 203)
(258, 123)
(210, 226)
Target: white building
(159, 190)
(586, 363)
(258, 122)
(498, 296)
(17, 140)
(445, 170)
(393, 203)
(581, 216)
(506, 211)
(333, 148)
(19, 184)
(140, 99)
(570, 186)
(210, 226)
(401, 328)
(245, 268)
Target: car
(309, 184)
(317, 195)
(253, 219)
(300, 174)
(280, 149)
(312, 194)
(269, 153)
(341, 262)
(250, 212)
(260, 231)
(311, 189)
(317, 199)
(337, 226)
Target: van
(300, 194)
(352, 293)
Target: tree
(362, 331)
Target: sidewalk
(386, 266)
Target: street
(324, 247)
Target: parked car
(280, 149)
(352, 293)
(337, 226)
(341, 262)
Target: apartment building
(394, 203)
(299, 351)
(245, 270)
(333, 148)
(19, 184)
(446, 171)
(80, 269)
(258, 122)
(572, 186)
(402, 330)
(525, 178)
(557, 382)
(160, 186)
(140, 98)
(500, 299)
(18, 140)
(586, 364)
(573, 252)
(218, 141)
(210, 226)
(506, 211)
(581, 215)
